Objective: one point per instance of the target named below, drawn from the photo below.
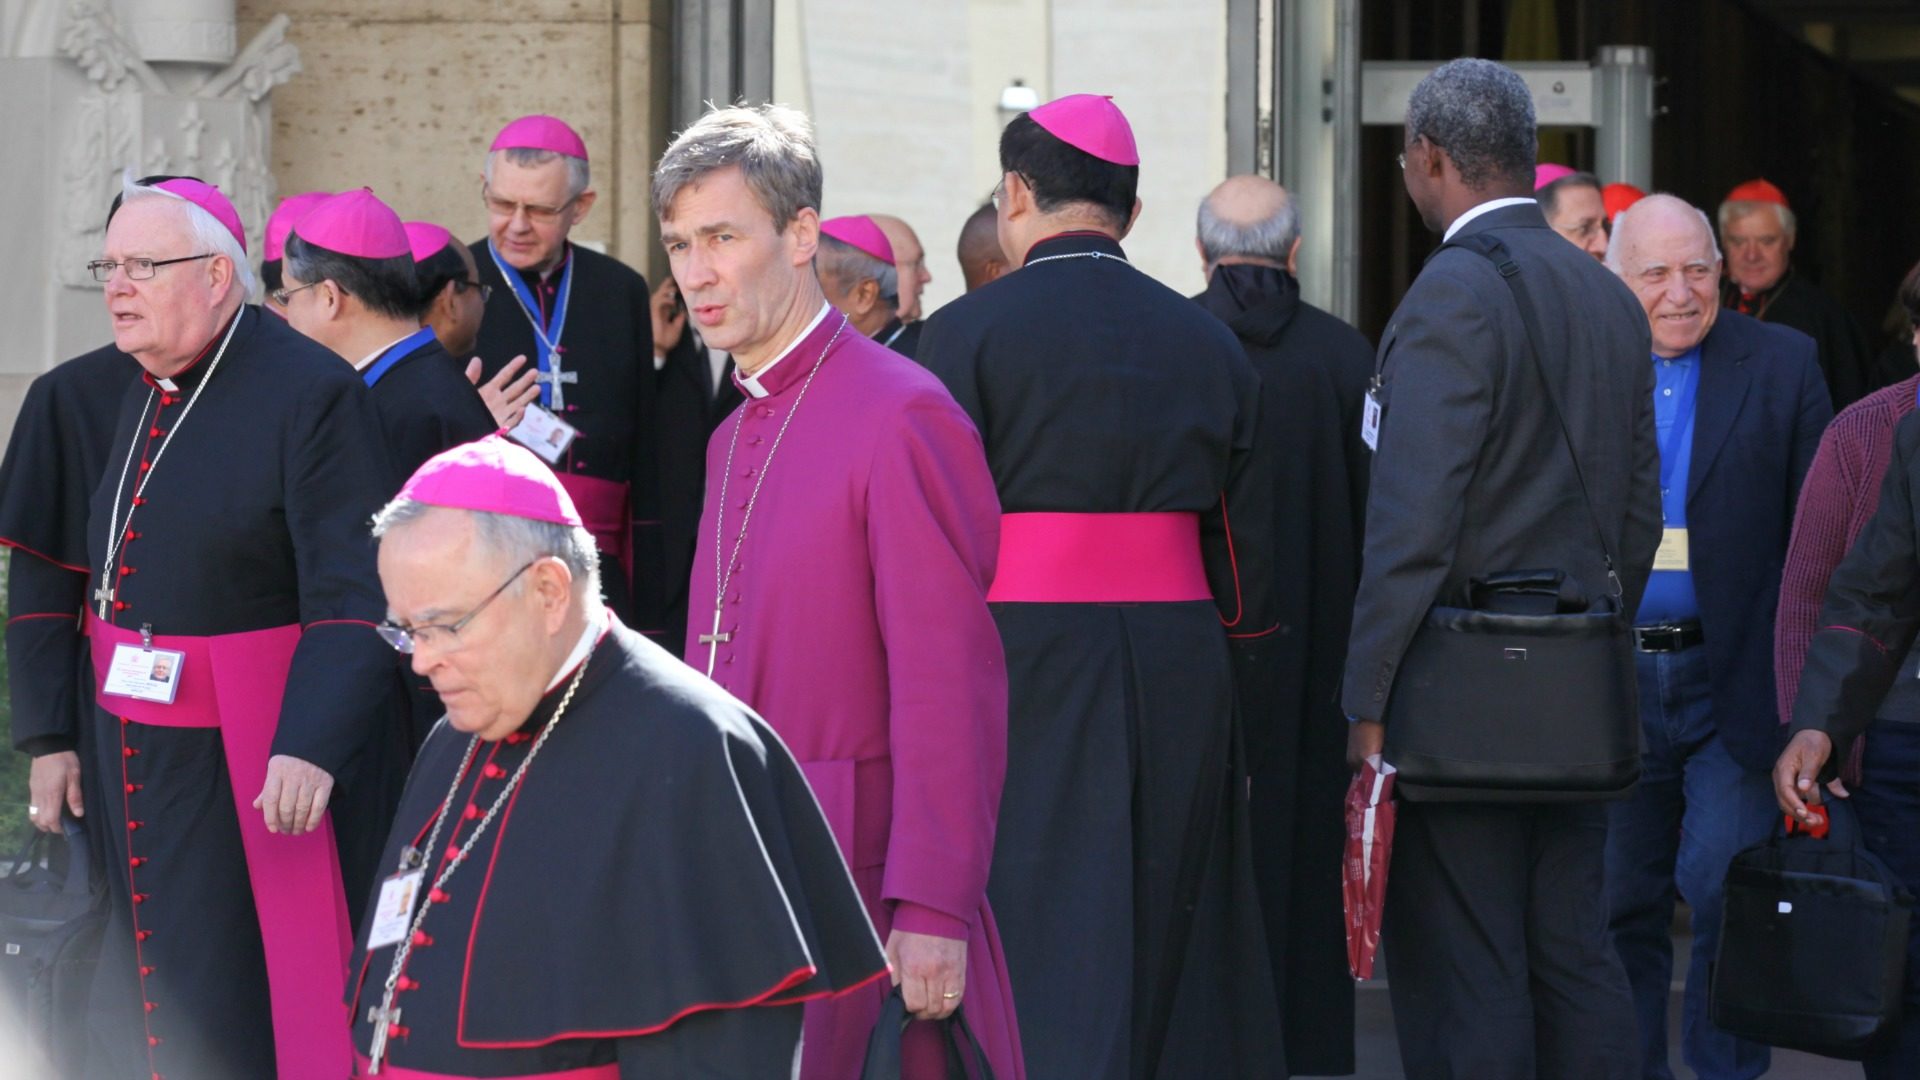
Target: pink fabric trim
(610, 1071)
(235, 682)
(1099, 559)
(602, 505)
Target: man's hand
(927, 969)
(669, 318)
(1794, 783)
(53, 781)
(1365, 738)
(507, 398)
(294, 800)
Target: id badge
(1672, 553)
(1370, 419)
(544, 433)
(393, 913)
(144, 674)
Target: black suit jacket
(1472, 474)
(687, 410)
(1760, 412)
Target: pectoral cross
(381, 1020)
(555, 378)
(714, 640)
(105, 595)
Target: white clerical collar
(364, 362)
(1485, 208)
(751, 383)
(596, 624)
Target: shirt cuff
(920, 919)
(42, 745)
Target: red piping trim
(338, 622)
(818, 994)
(18, 546)
(798, 976)
(1274, 629)
(139, 955)
(40, 615)
(1862, 633)
(1239, 602)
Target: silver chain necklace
(385, 1015)
(1077, 255)
(108, 592)
(714, 640)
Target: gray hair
(516, 540)
(1270, 238)
(771, 144)
(847, 266)
(207, 232)
(1481, 114)
(1622, 226)
(1733, 210)
(1549, 195)
(527, 157)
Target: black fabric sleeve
(45, 650)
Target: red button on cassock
(142, 935)
(438, 896)
(136, 862)
(152, 1005)
(471, 812)
(146, 971)
(493, 772)
(134, 826)
(139, 898)
(404, 983)
(421, 940)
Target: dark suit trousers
(1496, 945)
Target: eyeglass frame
(462, 285)
(536, 214)
(283, 294)
(110, 265)
(401, 637)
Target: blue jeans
(1695, 808)
(1887, 802)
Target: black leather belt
(1668, 637)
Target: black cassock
(1313, 381)
(607, 343)
(1099, 391)
(689, 404)
(653, 900)
(1846, 359)
(903, 338)
(254, 522)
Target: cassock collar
(361, 364)
(596, 628)
(535, 278)
(1072, 243)
(891, 332)
(1734, 296)
(774, 377)
(600, 622)
(185, 380)
(1257, 302)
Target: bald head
(1248, 219)
(910, 259)
(1659, 221)
(981, 259)
(1663, 248)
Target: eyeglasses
(539, 215)
(137, 269)
(281, 296)
(999, 190)
(443, 635)
(485, 290)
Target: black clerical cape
(248, 551)
(606, 385)
(653, 900)
(1107, 401)
(1313, 380)
(1846, 358)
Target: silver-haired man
(856, 264)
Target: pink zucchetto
(355, 223)
(1091, 123)
(860, 232)
(494, 475)
(284, 218)
(539, 132)
(1547, 174)
(426, 239)
(208, 198)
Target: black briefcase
(1813, 943)
(965, 1058)
(53, 913)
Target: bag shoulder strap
(1494, 251)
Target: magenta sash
(235, 682)
(395, 1072)
(1099, 559)
(603, 509)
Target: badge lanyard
(1680, 429)
(395, 353)
(546, 338)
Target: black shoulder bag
(965, 1058)
(53, 913)
(1527, 693)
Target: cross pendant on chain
(105, 595)
(381, 1020)
(713, 641)
(556, 378)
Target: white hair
(1655, 200)
(1734, 209)
(516, 540)
(208, 234)
(578, 175)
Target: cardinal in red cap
(1118, 418)
(577, 322)
(604, 865)
(249, 724)
(1758, 229)
(1618, 196)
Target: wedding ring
(949, 997)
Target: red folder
(1369, 846)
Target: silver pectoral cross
(381, 1019)
(556, 378)
(105, 595)
(713, 641)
